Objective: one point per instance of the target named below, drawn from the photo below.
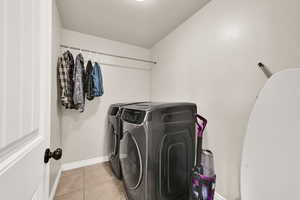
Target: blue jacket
(97, 81)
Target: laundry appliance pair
(114, 130)
(156, 149)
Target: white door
(25, 43)
(270, 162)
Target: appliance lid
(270, 159)
(116, 107)
(149, 106)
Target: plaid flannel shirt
(65, 68)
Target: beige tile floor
(94, 182)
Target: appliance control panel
(133, 116)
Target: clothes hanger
(90, 57)
(93, 59)
(97, 59)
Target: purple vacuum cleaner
(203, 173)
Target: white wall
(84, 133)
(55, 140)
(212, 59)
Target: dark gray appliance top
(149, 106)
(114, 108)
(126, 103)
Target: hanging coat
(69, 61)
(97, 81)
(62, 78)
(89, 81)
(65, 67)
(79, 79)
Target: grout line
(84, 183)
(84, 188)
(71, 192)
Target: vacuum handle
(200, 127)
(200, 130)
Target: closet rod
(264, 68)
(108, 54)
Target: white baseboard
(219, 197)
(54, 187)
(84, 163)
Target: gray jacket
(79, 78)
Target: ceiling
(138, 23)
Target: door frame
(45, 73)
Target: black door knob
(56, 155)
